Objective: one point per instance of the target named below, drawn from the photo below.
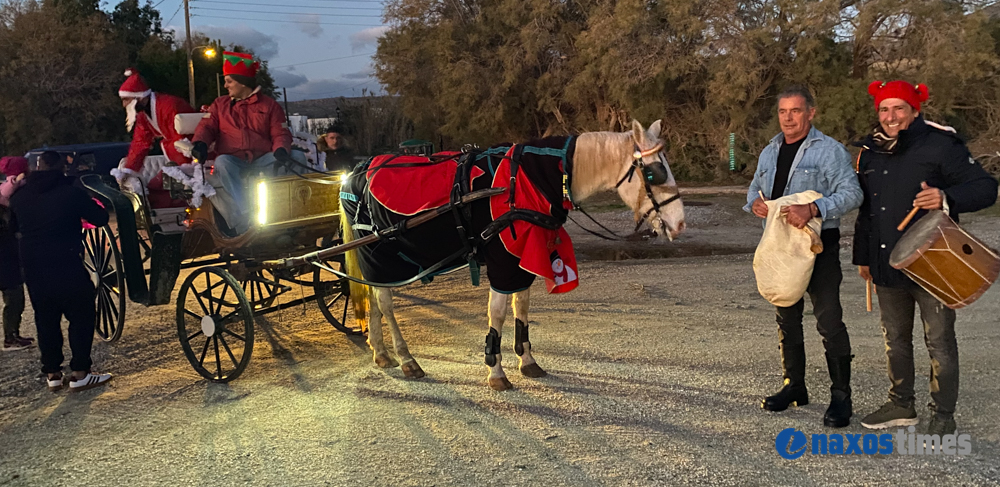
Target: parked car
(100, 158)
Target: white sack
(783, 262)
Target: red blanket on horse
(408, 185)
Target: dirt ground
(657, 364)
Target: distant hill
(324, 107)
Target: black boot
(838, 415)
(793, 361)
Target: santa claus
(149, 116)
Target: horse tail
(359, 292)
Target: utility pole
(288, 119)
(187, 47)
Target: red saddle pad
(408, 190)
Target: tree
(58, 79)
(135, 25)
(490, 70)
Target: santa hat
(11, 166)
(241, 67)
(882, 90)
(134, 86)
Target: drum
(955, 267)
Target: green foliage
(62, 61)
(490, 70)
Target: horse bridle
(654, 174)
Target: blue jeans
(234, 173)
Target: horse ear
(654, 131)
(637, 131)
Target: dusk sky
(301, 42)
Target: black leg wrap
(520, 337)
(492, 347)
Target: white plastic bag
(784, 259)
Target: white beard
(130, 114)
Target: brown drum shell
(952, 265)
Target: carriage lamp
(262, 203)
(343, 178)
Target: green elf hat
(239, 64)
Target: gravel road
(657, 366)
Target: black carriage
(218, 300)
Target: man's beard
(130, 114)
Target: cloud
(264, 46)
(309, 24)
(287, 79)
(367, 37)
(360, 75)
(331, 88)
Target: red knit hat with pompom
(882, 90)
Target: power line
(175, 13)
(323, 60)
(378, 9)
(284, 21)
(289, 13)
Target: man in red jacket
(250, 134)
(149, 116)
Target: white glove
(130, 183)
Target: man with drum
(908, 162)
(801, 158)
(250, 134)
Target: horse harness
(654, 174)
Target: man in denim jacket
(798, 159)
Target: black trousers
(824, 291)
(898, 306)
(13, 308)
(73, 298)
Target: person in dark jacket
(47, 213)
(909, 162)
(11, 284)
(339, 156)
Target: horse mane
(597, 161)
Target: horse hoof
(533, 371)
(412, 370)
(500, 384)
(384, 361)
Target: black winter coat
(47, 213)
(10, 263)
(891, 182)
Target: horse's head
(647, 185)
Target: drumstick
(909, 216)
(761, 193)
(868, 295)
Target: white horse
(634, 162)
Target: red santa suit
(158, 124)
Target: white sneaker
(89, 381)
(56, 384)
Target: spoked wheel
(262, 289)
(104, 263)
(333, 294)
(215, 324)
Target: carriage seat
(186, 123)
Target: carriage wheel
(333, 294)
(215, 324)
(104, 263)
(261, 289)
